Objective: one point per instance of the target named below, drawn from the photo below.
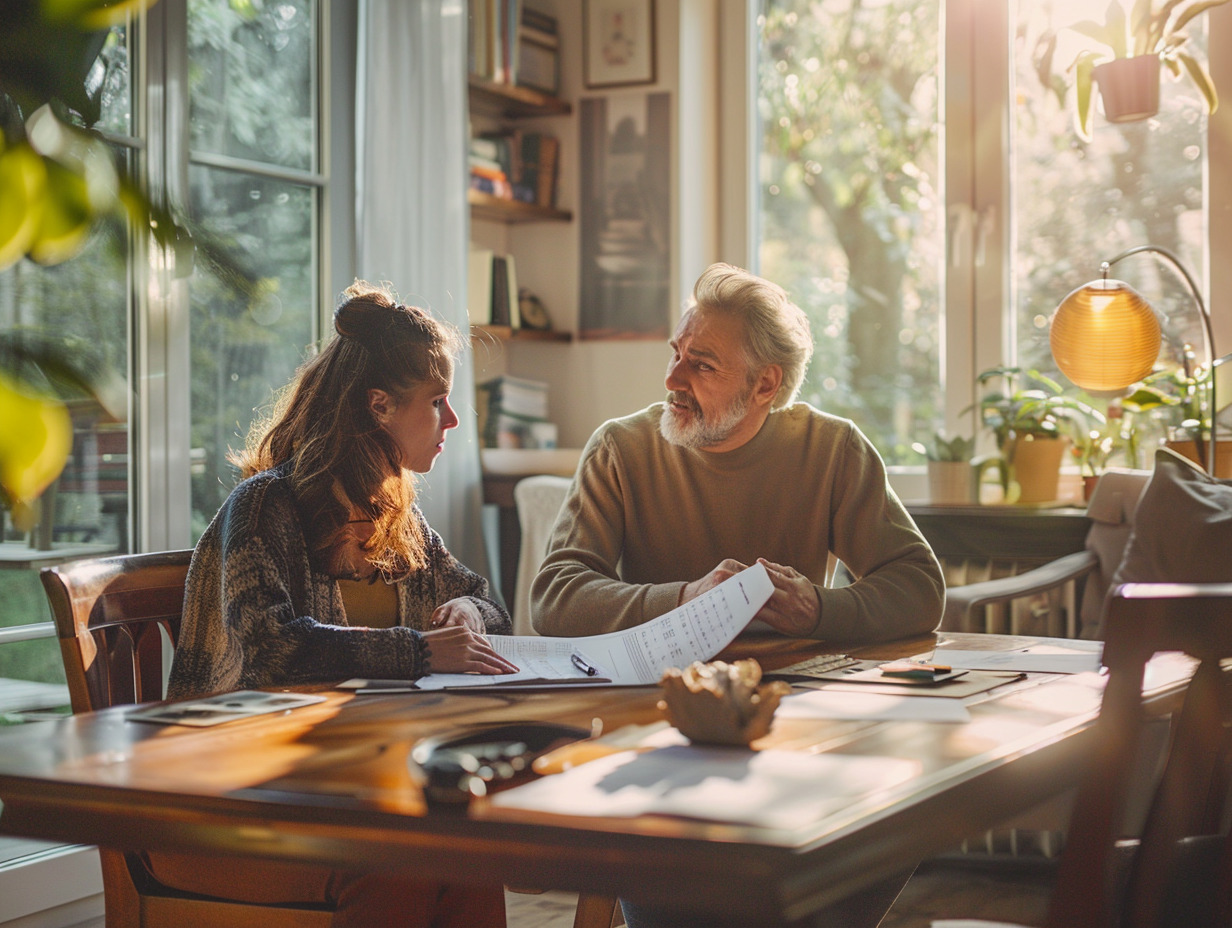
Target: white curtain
(412, 218)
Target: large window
(255, 183)
(923, 195)
(215, 108)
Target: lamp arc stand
(1207, 330)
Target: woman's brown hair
(342, 461)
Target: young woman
(319, 566)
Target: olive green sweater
(644, 517)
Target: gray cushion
(1182, 528)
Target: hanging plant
(1155, 35)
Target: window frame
(158, 336)
(979, 331)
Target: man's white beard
(698, 432)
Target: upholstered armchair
(1172, 525)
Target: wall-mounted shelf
(506, 333)
(498, 209)
(504, 101)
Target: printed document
(696, 631)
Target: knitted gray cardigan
(257, 614)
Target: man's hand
(727, 568)
(457, 649)
(793, 608)
(462, 612)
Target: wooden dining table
(333, 783)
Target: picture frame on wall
(619, 43)
(625, 216)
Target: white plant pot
(951, 483)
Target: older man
(728, 470)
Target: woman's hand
(458, 649)
(461, 612)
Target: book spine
(549, 149)
(500, 291)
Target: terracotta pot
(1035, 465)
(1189, 448)
(1129, 87)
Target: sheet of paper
(775, 789)
(830, 704)
(696, 631)
(1054, 657)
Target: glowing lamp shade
(1105, 336)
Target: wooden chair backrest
(111, 615)
(1190, 800)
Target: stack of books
(509, 407)
(515, 165)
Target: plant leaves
(1140, 26)
(1118, 36)
(1195, 10)
(1083, 81)
(1200, 76)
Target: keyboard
(822, 663)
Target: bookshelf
(504, 102)
(508, 101)
(498, 209)
(508, 333)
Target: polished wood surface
(331, 783)
(1011, 533)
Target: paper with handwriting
(696, 631)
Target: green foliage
(941, 448)
(1183, 391)
(850, 180)
(1030, 403)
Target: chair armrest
(961, 602)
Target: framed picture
(625, 216)
(619, 42)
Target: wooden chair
(115, 618)
(112, 615)
(1179, 872)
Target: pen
(583, 665)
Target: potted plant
(1126, 60)
(951, 472)
(1031, 422)
(1184, 392)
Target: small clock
(534, 314)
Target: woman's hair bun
(365, 313)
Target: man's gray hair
(776, 331)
